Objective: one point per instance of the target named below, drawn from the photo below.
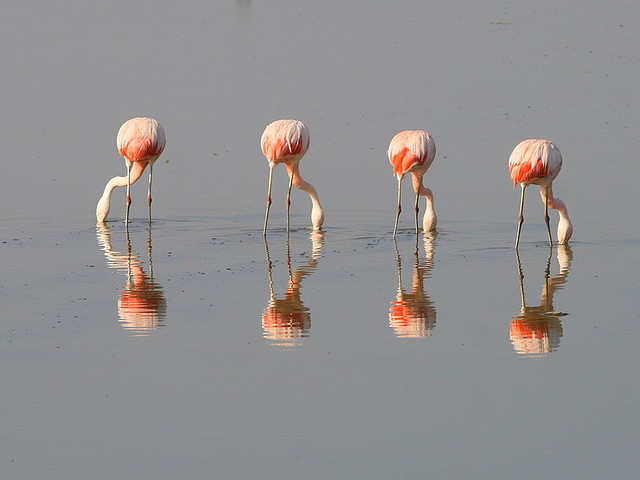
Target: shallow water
(195, 349)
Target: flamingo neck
(317, 213)
(104, 204)
(565, 227)
(430, 219)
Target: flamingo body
(538, 162)
(286, 141)
(413, 151)
(140, 141)
(535, 162)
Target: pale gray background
(205, 395)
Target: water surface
(195, 349)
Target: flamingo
(286, 141)
(413, 151)
(538, 162)
(140, 141)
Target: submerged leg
(399, 209)
(288, 201)
(520, 215)
(128, 198)
(149, 192)
(523, 302)
(546, 214)
(399, 263)
(417, 209)
(266, 214)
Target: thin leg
(523, 302)
(417, 209)
(269, 267)
(520, 215)
(289, 198)
(128, 198)
(546, 215)
(129, 255)
(266, 215)
(149, 192)
(399, 209)
(289, 268)
(399, 263)
(547, 275)
(149, 249)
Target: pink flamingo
(413, 151)
(286, 141)
(538, 162)
(140, 141)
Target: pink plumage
(535, 161)
(286, 141)
(413, 151)
(140, 141)
(538, 162)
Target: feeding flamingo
(538, 162)
(286, 141)
(140, 141)
(413, 151)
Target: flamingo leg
(417, 209)
(288, 201)
(269, 267)
(149, 191)
(266, 214)
(520, 215)
(546, 215)
(399, 209)
(523, 302)
(399, 262)
(128, 198)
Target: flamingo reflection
(536, 331)
(141, 306)
(413, 314)
(287, 320)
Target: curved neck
(430, 220)
(102, 209)
(565, 228)
(317, 213)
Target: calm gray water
(192, 349)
